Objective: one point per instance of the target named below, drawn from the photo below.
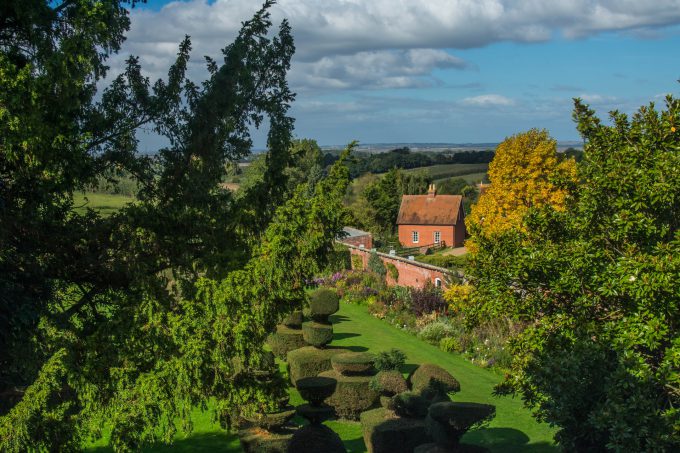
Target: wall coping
(399, 258)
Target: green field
(439, 172)
(106, 204)
(513, 429)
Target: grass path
(513, 429)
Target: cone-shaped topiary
(353, 363)
(317, 334)
(423, 376)
(322, 303)
(316, 438)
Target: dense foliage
(597, 277)
(132, 320)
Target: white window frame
(437, 237)
(438, 282)
(415, 237)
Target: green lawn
(106, 204)
(445, 171)
(513, 429)
(471, 178)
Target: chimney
(431, 190)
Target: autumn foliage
(525, 172)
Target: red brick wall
(411, 273)
(366, 241)
(426, 234)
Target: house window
(414, 237)
(438, 282)
(437, 237)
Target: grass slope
(444, 171)
(106, 204)
(513, 429)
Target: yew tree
(131, 321)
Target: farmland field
(106, 204)
(440, 172)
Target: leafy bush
(357, 262)
(434, 332)
(446, 261)
(449, 344)
(428, 373)
(427, 299)
(458, 297)
(389, 360)
(393, 272)
(294, 320)
(376, 265)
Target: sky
(445, 71)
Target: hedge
(386, 433)
(310, 361)
(322, 303)
(317, 334)
(314, 439)
(352, 395)
(285, 340)
(428, 374)
(353, 363)
(389, 383)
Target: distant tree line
(404, 158)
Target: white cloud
(488, 100)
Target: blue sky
(439, 70)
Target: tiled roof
(353, 232)
(429, 209)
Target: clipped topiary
(272, 421)
(316, 438)
(384, 432)
(322, 303)
(294, 320)
(447, 422)
(317, 334)
(352, 395)
(257, 440)
(353, 363)
(408, 404)
(285, 340)
(310, 361)
(389, 383)
(425, 374)
(315, 389)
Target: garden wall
(411, 273)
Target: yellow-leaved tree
(526, 171)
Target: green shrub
(317, 334)
(385, 433)
(316, 438)
(309, 361)
(352, 395)
(435, 331)
(389, 360)
(274, 420)
(285, 340)
(353, 363)
(315, 389)
(389, 382)
(426, 373)
(357, 262)
(447, 422)
(392, 271)
(376, 265)
(449, 344)
(294, 320)
(322, 303)
(409, 404)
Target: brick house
(426, 220)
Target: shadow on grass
(343, 335)
(408, 368)
(337, 319)
(199, 442)
(506, 440)
(356, 348)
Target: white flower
(631, 278)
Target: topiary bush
(426, 373)
(384, 432)
(447, 422)
(316, 438)
(409, 404)
(315, 389)
(389, 360)
(285, 340)
(317, 334)
(389, 383)
(353, 363)
(294, 320)
(322, 303)
(256, 440)
(310, 361)
(352, 395)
